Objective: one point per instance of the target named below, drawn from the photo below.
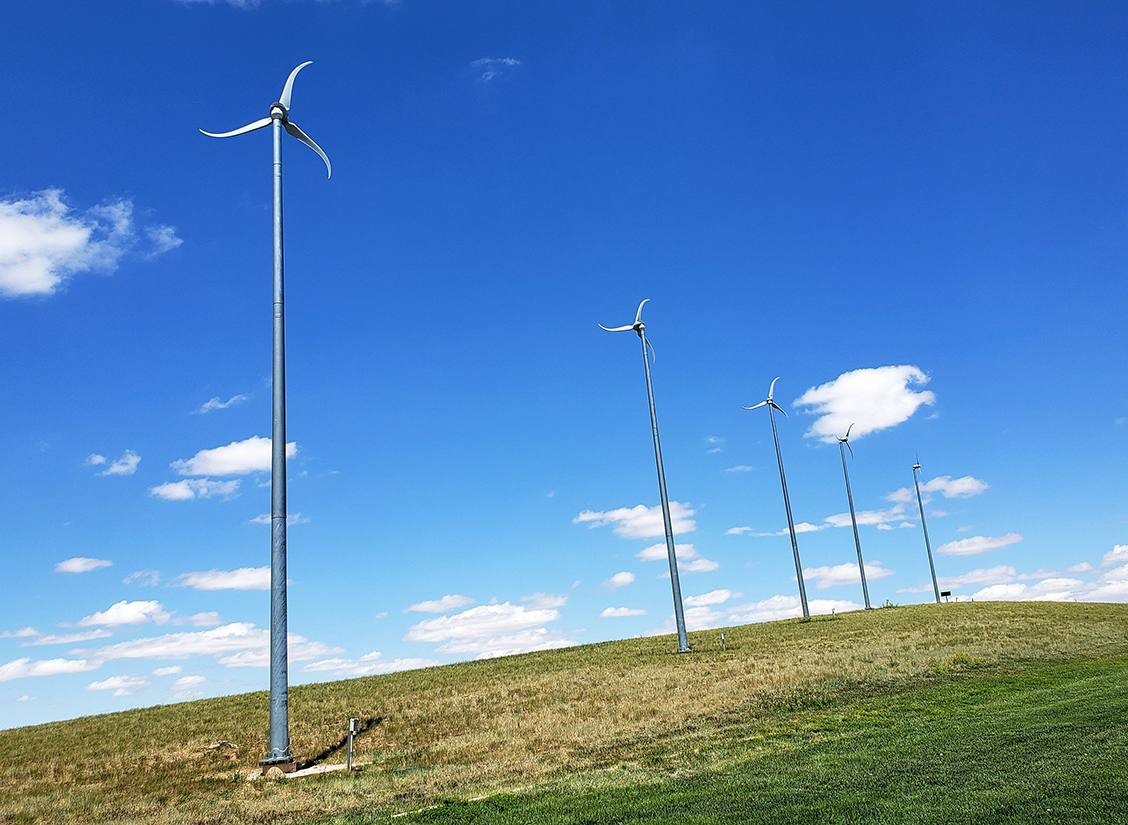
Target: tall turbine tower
(679, 615)
(927, 546)
(845, 439)
(770, 403)
(279, 753)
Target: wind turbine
(279, 754)
(927, 546)
(845, 439)
(679, 615)
(770, 403)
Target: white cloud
(1083, 567)
(976, 545)
(185, 682)
(1117, 555)
(67, 638)
(167, 671)
(619, 580)
(738, 531)
(658, 552)
(714, 443)
(867, 517)
(491, 630)
(191, 488)
(847, 573)
(492, 66)
(291, 519)
(124, 465)
(216, 404)
(740, 468)
(870, 399)
(44, 242)
(641, 522)
(25, 667)
(784, 607)
(448, 602)
(144, 578)
(712, 597)
(246, 645)
(990, 575)
(93, 460)
(1048, 590)
(81, 564)
(621, 612)
(127, 613)
(546, 599)
(366, 665)
(383, 614)
(208, 619)
(695, 566)
(963, 487)
(244, 578)
(235, 459)
(26, 698)
(22, 633)
(120, 685)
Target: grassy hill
(997, 711)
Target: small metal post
(352, 730)
(723, 642)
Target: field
(993, 712)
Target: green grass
(993, 711)
(1041, 744)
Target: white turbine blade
(778, 407)
(242, 130)
(289, 87)
(638, 315)
(771, 390)
(847, 437)
(653, 354)
(762, 403)
(616, 329)
(848, 447)
(293, 129)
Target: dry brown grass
(480, 727)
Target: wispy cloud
(81, 564)
(977, 544)
(740, 468)
(619, 580)
(493, 67)
(244, 578)
(120, 685)
(491, 630)
(546, 600)
(366, 665)
(870, 399)
(124, 465)
(847, 573)
(215, 404)
(621, 612)
(640, 521)
(238, 458)
(442, 605)
(25, 667)
(44, 242)
(711, 598)
(67, 638)
(963, 487)
(128, 613)
(143, 578)
(191, 488)
(716, 444)
(658, 552)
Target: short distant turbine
(770, 403)
(845, 440)
(279, 753)
(679, 615)
(927, 546)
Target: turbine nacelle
(769, 401)
(845, 439)
(280, 111)
(638, 326)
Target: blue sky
(917, 216)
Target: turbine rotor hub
(278, 112)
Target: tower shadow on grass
(364, 726)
